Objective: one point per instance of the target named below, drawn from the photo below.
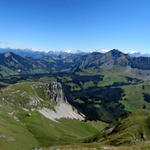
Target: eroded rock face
(55, 92)
(62, 109)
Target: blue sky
(75, 24)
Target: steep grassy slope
(47, 132)
(129, 132)
(11, 64)
(13, 134)
(20, 131)
(23, 127)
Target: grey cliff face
(55, 92)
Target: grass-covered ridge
(26, 95)
(22, 123)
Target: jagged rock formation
(48, 99)
(62, 109)
(55, 92)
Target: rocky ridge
(62, 109)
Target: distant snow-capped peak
(74, 51)
(132, 53)
(138, 54)
(100, 50)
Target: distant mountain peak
(116, 53)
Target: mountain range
(12, 64)
(36, 54)
(91, 99)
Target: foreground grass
(22, 127)
(98, 146)
(65, 131)
(131, 132)
(21, 132)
